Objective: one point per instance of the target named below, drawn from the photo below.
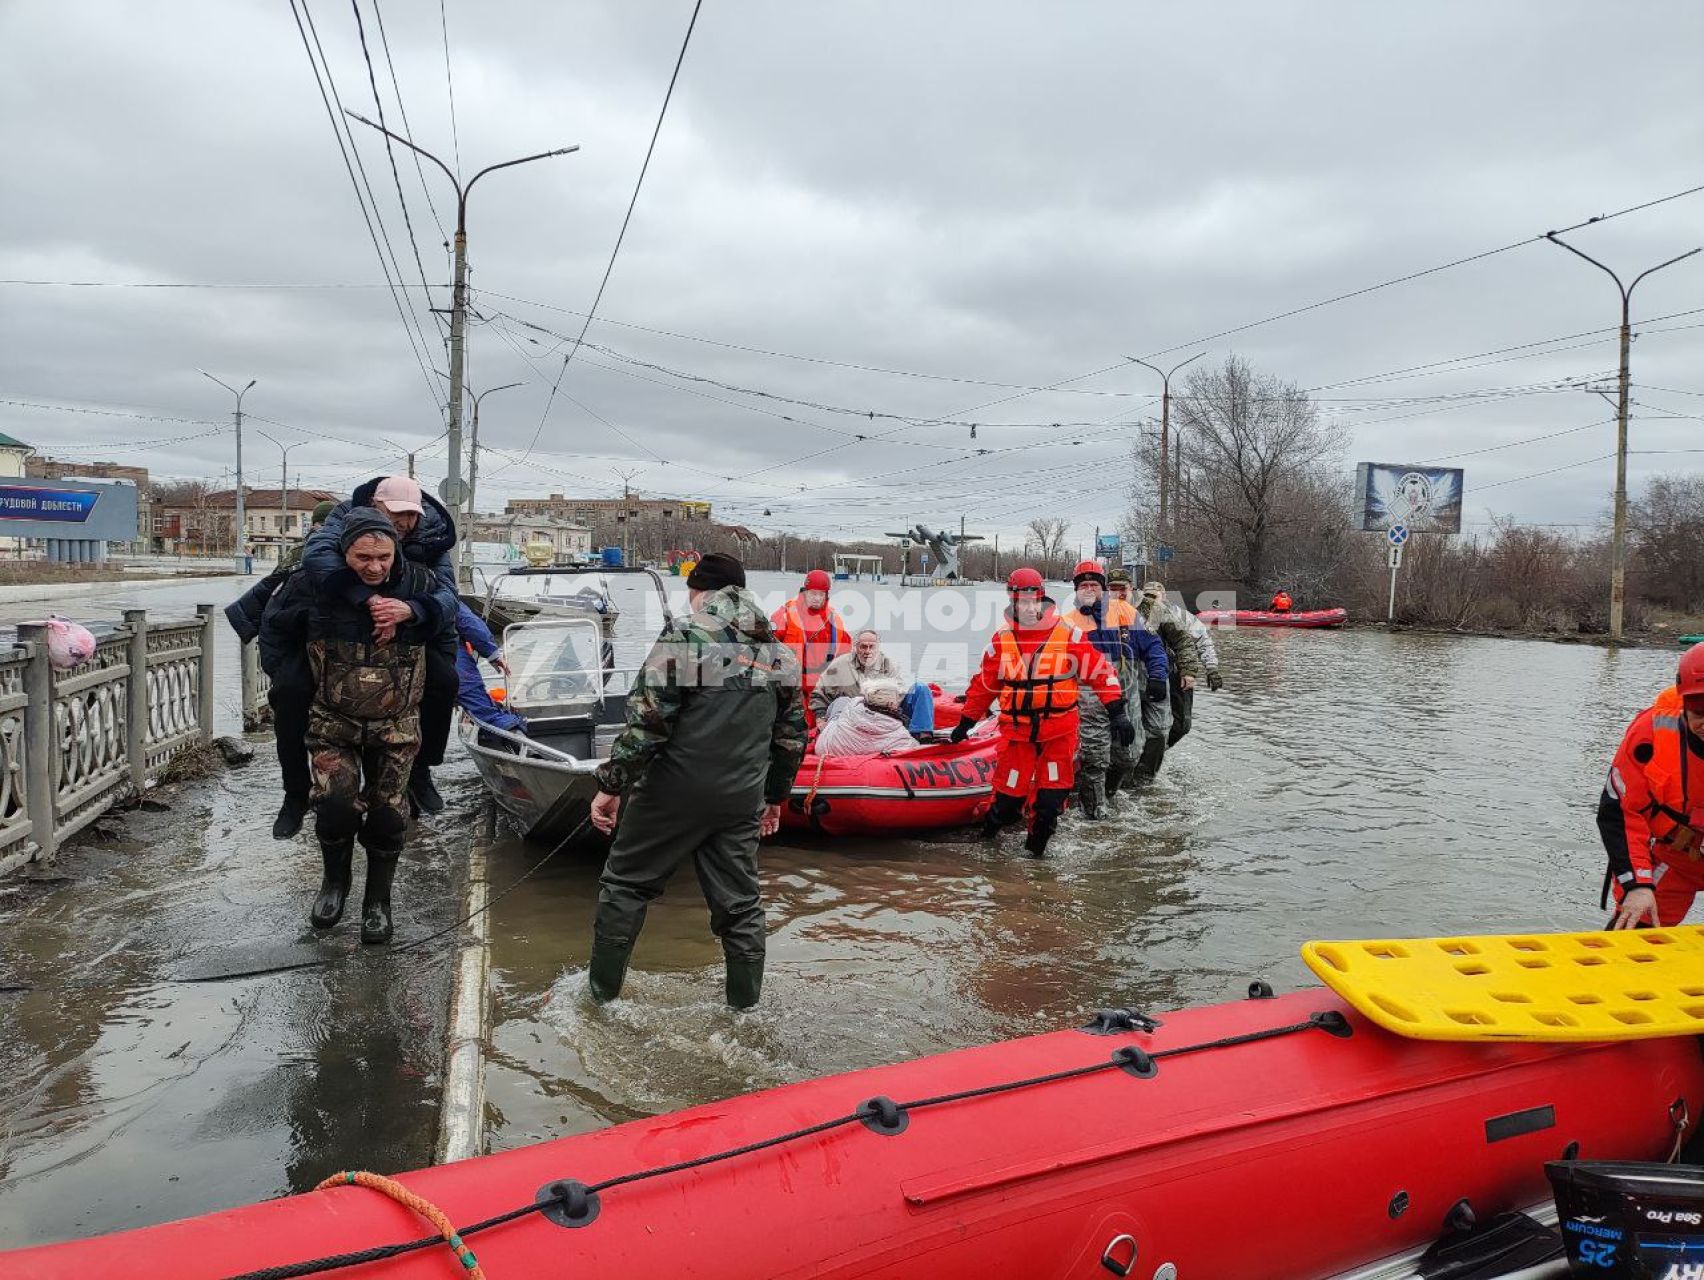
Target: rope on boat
(881, 1115)
(422, 1206)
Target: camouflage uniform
(363, 731)
(715, 730)
(1183, 658)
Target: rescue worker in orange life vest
(1281, 603)
(1033, 667)
(813, 631)
(1651, 815)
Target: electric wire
(408, 129)
(621, 235)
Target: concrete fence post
(251, 686)
(204, 684)
(41, 751)
(136, 712)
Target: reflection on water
(1344, 784)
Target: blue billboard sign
(18, 502)
(1106, 545)
(79, 510)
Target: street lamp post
(455, 494)
(284, 490)
(1618, 536)
(473, 444)
(242, 509)
(1165, 426)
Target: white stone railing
(73, 743)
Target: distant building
(595, 512)
(41, 468)
(14, 455)
(516, 529)
(206, 525)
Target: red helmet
(1024, 579)
(1689, 680)
(1088, 569)
(818, 580)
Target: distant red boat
(1266, 618)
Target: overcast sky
(952, 195)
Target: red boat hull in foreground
(1300, 1154)
(1266, 618)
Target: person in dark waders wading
(1033, 668)
(368, 662)
(715, 733)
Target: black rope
(324, 962)
(336, 1262)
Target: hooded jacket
(334, 614)
(428, 545)
(716, 717)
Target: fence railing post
(41, 752)
(251, 686)
(136, 713)
(204, 685)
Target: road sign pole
(1396, 535)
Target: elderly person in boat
(869, 724)
(849, 675)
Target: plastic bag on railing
(855, 729)
(69, 644)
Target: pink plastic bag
(68, 644)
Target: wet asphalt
(133, 1089)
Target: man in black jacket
(283, 644)
(427, 534)
(369, 670)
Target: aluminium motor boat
(574, 640)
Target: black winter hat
(716, 570)
(362, 521)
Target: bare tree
(1255, 460)
(1047, 534)
(1668, 527)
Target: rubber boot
(376, 899)
(338, 855)
(1115, 779)
(1091, 794)
(744, 982)
(608, 969)
(1001, 814)
(1042, 827)
(423, 796)
(289, 819)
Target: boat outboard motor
(1623, 1220)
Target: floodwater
(129, 1095)
(1344, 784)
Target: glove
(1121, 724)
(1158, 691)
(1215, 681)
(962, 729)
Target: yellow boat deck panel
(1633, 984)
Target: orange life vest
(1676, 822)
(1281, 603)
(814, 649)
(1042, 685)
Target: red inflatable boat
(1275, 1139)
(944, 785)
(1266, 618)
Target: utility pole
(1165, 428)
(454, 492)
(1618, 536)
(284, 493)
(996, 557)
(242, 510)
(411, 464)
(473, 444)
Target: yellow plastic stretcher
(1633, 984)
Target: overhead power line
(626, 218)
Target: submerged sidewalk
(131, 1093)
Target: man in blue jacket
(471, 693)
(426, 533)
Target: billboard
(95, 510)
(1423, 499)
(1106, 546)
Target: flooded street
(132, 1093)
(1343, 784)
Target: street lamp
(1618, 537)
(242, 509)
(453, 491)
(1165, 426)
(473, 444)
(284, 490)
